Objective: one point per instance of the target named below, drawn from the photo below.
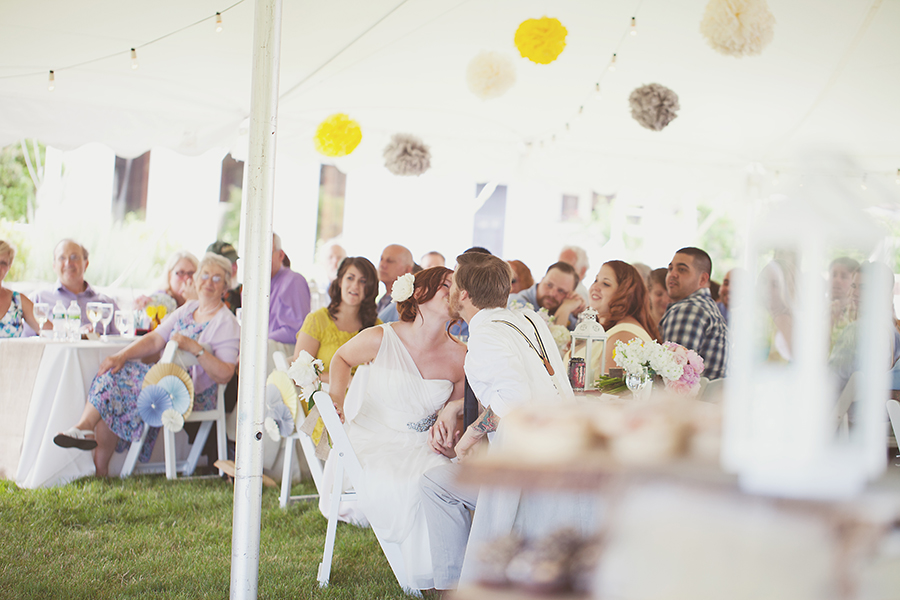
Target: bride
(416, 367)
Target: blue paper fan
(281, 414)
(152, 403)
(177, 391)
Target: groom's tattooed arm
(487, 422)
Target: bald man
(395, 261)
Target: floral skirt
(115, 395)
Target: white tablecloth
(61, 381)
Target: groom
(512, 360)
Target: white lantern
(780, 432)
(589, 331)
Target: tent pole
(256, 250)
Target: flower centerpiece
(305, 372)
(679, 367)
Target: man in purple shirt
(289, 299)
(70, 260)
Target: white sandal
(75, 438)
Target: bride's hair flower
(403, 287)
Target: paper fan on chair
(152, 402)
(160, 370)
(285, 385)
(178, 392)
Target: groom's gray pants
(447, 507)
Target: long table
(43, 390)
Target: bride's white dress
(390, 436)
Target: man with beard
(511, 361)
(557, 286)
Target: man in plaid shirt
(693, 319)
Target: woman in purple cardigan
(204, 327)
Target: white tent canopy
(828, 79)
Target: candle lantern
(590, 333)
(805, 349)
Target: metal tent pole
(256, 249)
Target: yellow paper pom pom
(151, 311)
(338, 135)
(161, 312)
(541, 40)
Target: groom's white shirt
(503, 370)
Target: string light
(51, 85)
(597, 90)
(580, 114)
(862, 185)
(134, 62)
(218, 22)
(633, 26)
(612, 63)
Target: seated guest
(644, 271)
(432, 259)
(841, 273)
(522, 279)
(414, 369)
(232, 297)
(177, 286)
(556, 293)
(70, 261)
(395, 261)
(578, 258)
(204, 327)
(693, 320)
(351, 310)
(725, 294)
(658, 295)
(620, 299)
(289, 300)
(15, 308)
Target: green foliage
(12, 234)
(720, 241)
(17, 191)
(147, 537)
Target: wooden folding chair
(347, 462)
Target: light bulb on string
(218, 22)
(612, 64)
(51, 83)
(567, 132)
(580, 114)
(862, 184)
(633, 26)
(597, 92)
(134, 62)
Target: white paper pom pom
(653, 106)
(490, 74)
(272, 429)
(172, 419)
(406, 155)
(738, 27)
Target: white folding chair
(309, 451)
(206, 417)
(893, 409)
(347, 462)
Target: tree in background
(17, 188)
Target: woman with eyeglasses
(177, 284)
(204, 327)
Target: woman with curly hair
(620, 298)
(413, 368)
(351, 310)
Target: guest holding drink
(205, 328)
(15, 308)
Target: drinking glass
(124, 319)
(94, 314)
(106, 315)
(636, 382)
(41, 315)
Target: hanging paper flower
(738, 27)
(338, 135)
(653, 106)
(541, 40)
(490, 74)
(406, 155)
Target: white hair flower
(172, 419)
(403, 287)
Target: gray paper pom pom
(653, 106)
(406, 155)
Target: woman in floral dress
(204, 327)
(15, 309)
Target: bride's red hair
(427, 284)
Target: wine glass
(41, 315)
(124, 322)
(106, 315)
(93, 314)
(636, 382)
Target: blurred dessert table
(43, 389)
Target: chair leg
(288, 461)
(171, 459)
(197, 447)
(221, 439)
(331, 530)
(132, 457)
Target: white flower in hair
(403, 287)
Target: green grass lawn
(146, 537)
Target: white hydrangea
(305, 370)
